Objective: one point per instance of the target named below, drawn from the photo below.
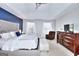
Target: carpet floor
(55, 50)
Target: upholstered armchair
(50, 35)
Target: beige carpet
(56, 50)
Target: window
(47, 27)
(30, 27)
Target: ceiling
(47, 11)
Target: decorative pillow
(13, 34)
(5, 36)
(18, 33)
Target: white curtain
(47, 26)
(30, 28)
(24, 26)
(39, 28)
(53, 23)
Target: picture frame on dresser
(69, 27)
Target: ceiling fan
(38, 5)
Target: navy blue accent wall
(7, 16)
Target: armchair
(50, 35)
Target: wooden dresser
(69, 40)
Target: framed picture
(69, 27)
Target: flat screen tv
(66, 28)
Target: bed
(19, 43)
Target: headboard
(6, 26)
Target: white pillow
(13, 34)
(6, 36)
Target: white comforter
(22, 42)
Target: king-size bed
(14, 42)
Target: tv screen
(66, 27)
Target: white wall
(71, 17)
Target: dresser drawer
(68, 41)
